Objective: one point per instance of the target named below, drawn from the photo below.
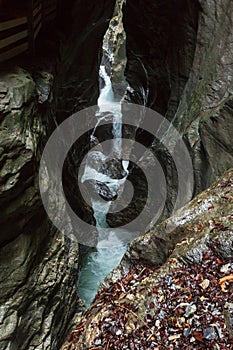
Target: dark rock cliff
(81, 52)
(160, 46)
(39, 266)
(179, 63)
(115, 51)
(78, 81)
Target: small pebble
(226, 267)
(119, 332)
(187, 332)
(161, 315)
(228, 306)
(174, 337)
(205, 284)
(210, 333)
(219, 330)
(130, 297)
(190, 309)
(169, 281)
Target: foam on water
(111, 247)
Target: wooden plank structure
(37, 18)
(14, 38)
(49, 10)
(20, 25)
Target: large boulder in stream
(173, 288)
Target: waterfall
(104, 102)
(110, 249)
(106, 94)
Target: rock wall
(173, 287)
(115, 51)
(78, 81)
(179, 63)
(39, 266)
(205, 110)
(160, 46)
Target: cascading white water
(109, 251)
(106, 94)
(105, 99)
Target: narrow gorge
(128, 243)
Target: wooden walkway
(19, 27)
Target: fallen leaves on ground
(186, 309)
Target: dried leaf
(152, 305)
(174, 337)
(198, 335)
(223, 281)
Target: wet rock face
(78, 82)
(181, 301)
(21, 131)
(160, 45)
(179, 63)
(81, 55)
(38, 265)
(205, 111)
(115, 51)
(38, 291)
(191, 224)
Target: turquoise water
(111, 244)
(96, 265)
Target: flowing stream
(109, 251)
